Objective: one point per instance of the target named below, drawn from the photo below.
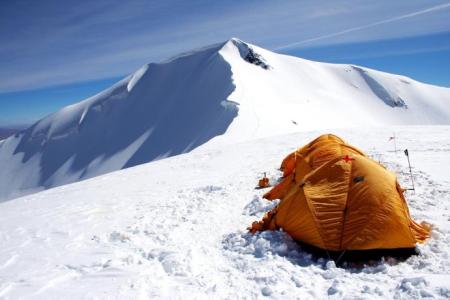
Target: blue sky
(53, 53)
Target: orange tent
(289, 162)
(311, 156)
(349, 202)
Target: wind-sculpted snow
(161, 110)
(223, 94)
(380, 91)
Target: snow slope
(175, 229)
(221, 94)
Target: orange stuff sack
(263, 182)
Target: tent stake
(340, 256)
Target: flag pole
(393, 137)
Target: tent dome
(347, 202)
(308, 158)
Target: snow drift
(223, 94)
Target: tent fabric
(289, 162)
(349, 202)
(309, 157)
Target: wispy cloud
(434, 45)
(366, 26)
(54, 42)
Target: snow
(175, 228)
(149, 185)
(218, 95)
(136, 77)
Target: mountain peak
(249, 53)
(237, 41)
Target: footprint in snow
(116, 236)
(258, 205)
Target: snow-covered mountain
(221, 94)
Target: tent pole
(328, 254)
(410, 171)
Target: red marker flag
(348, 158)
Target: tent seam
(346, 201)
(319, 228)
(370, 220)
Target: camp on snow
(335, 198)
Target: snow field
(175, 229)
